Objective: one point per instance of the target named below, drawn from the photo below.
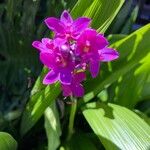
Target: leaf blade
(52, 127)
(102, 12)
(7, 142)
(41, 97)
(117, 127)
(130, 56)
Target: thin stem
(72, 117)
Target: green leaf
(135, 81)
(41, 97)
(132, 49)
(127, 28)
(117, 127)
(7, 142)
(143, 116)
(102, 12)
(52, 127)
(146, 89)
(120, 19)
(112, 38)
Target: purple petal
(81, 23)
(66, 90)
(46, 41)
(66, 18)
(108, 54)
(94, 68)
(47, 59)
(100, 42)
(38, 45)
(48, 44)
(51, 77)
(79, 77)
(59, 41)
(65, 77)
(78, 90)
(54, 24)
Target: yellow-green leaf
(118, 127)
(7, 142)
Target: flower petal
(79, 77)
(46, 40)
(38, 45)
(47, 59)
(100, 42)
(108, 54)
(54, 24)
(65, 77)
(78, 90)
(80, 24)
(94, 68)
(51, 77)
(59, 41)
(66, 90)
(66, 18)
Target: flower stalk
(72, 117)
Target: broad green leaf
(143, 116)
(132, 50)
(52, 127)
(41, 97)
(131, 85)
(102, 12)
(7, 142)
(118, 127)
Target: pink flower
(74, 48)
(66, 27)
(92, 48)
(61, 67)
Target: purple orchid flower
(66, 27)
(57, 58)
(61, 66)
(73, 48)
(75, 88)
(92, 47)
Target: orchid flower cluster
(74, 49)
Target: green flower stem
(72, 117)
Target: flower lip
(87, 46)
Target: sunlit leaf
(7, 142)
(132, 49)
(52, 127)
(102, 12)
(135, 81)
(117, 127)
(41, 97)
